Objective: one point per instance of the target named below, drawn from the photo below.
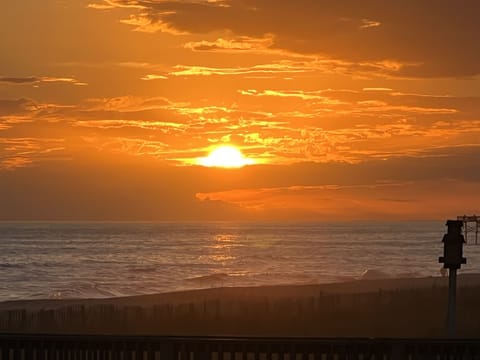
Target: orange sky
(352, 109)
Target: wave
(212, 278)
(374, 274)
(143, 269)
(11, 265)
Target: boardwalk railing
(104, 347)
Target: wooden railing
(103, 347)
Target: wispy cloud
(40, 79)
(367, 23)
(19, 80)
(142, 23)
(313, 66)
(242, 43)
(372, 32)
(119, 123)
(126, 103)
(110, 4)
(283, 67)
(20, 152)
(301, 94)
(281, 126)
(149, 77)
(377, 89)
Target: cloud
(438, 184)
(142, 24)
(238, 44)
(301, 94)
(104, 6)
(82, 188)
(288, 67)
(154, 77)
(274, 125)
(406, 201)
(110, 4)
(377, 89)
(18, 106)
(40, 79)
(299, 67)
(366, 23)
(21, 152)
(283, 67)
(19, 80)
(127, 103)
(423, 39)
(117, 124)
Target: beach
(408, 307)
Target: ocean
(40, 260)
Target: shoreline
(271, 291)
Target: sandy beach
(410, 307)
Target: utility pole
(452, 259)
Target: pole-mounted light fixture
(452, 260)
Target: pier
(468, 227)
(102, 347)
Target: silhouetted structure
(452, 260)
(100, 347)
(467, 219)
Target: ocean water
(94, 260)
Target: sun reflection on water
(222, 258)
(222, 247)
(226, 237)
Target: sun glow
(226, 157)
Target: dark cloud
(18, 106)
(19, 80)
(37, 79)
(430, 39)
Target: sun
(225, 156)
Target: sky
(343, 109)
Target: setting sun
(353, 112)
(225, 156)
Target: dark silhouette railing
(103, 347)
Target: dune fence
(405, 313)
